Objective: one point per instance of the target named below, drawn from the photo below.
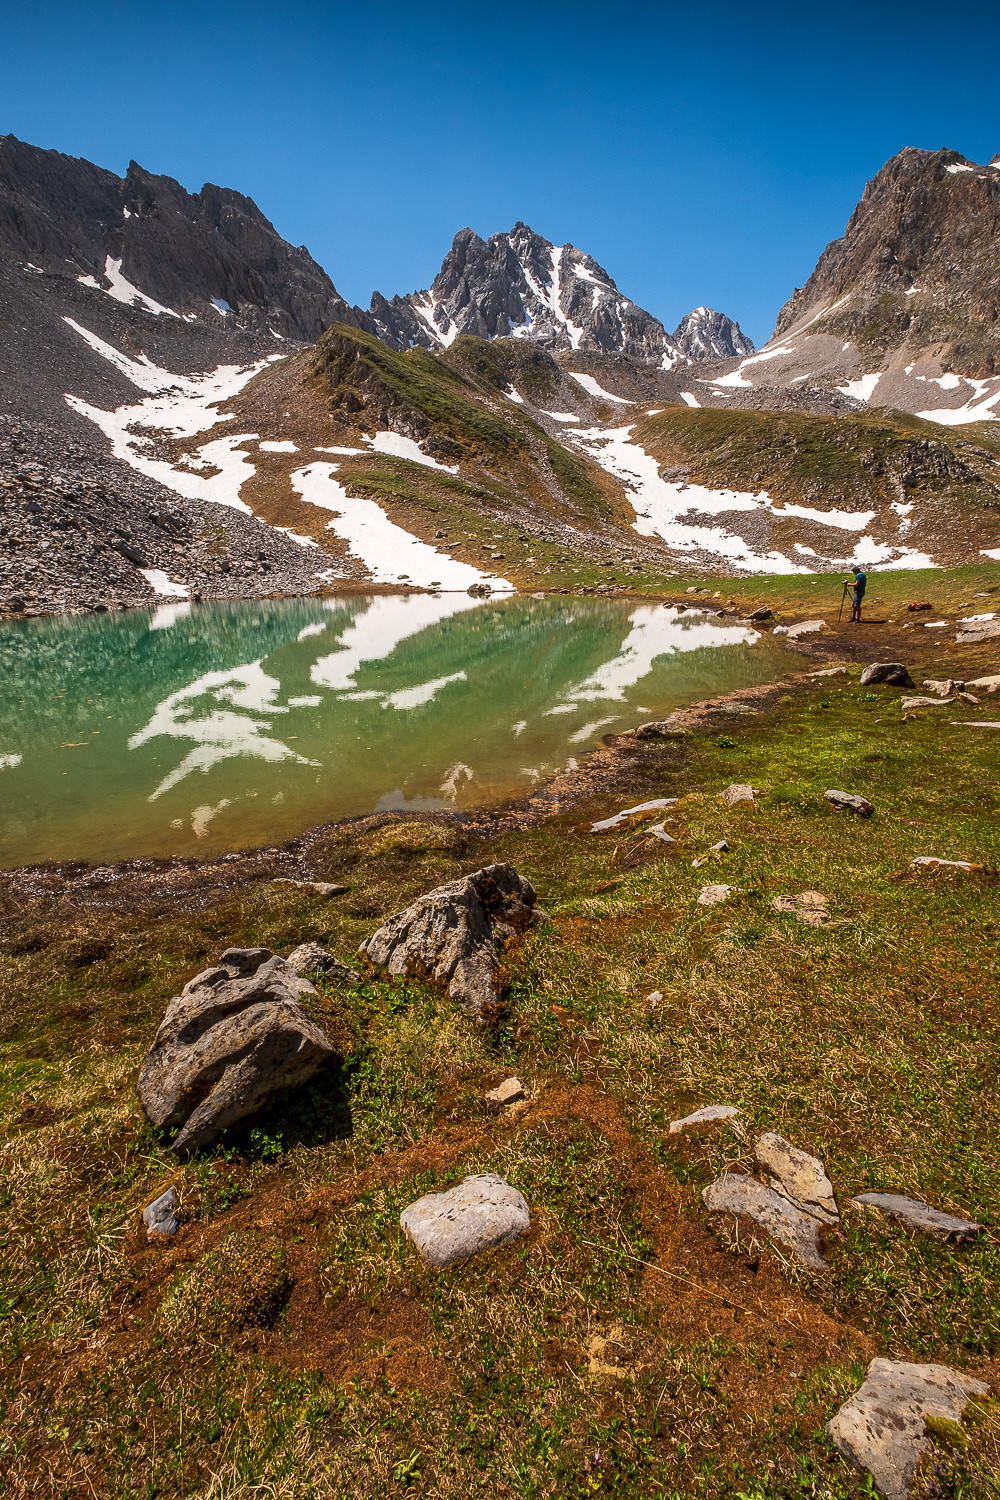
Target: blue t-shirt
(860, 583)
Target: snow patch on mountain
(122, 290)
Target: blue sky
(702, 153)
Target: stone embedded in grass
(635, 814)
(738, 793)
(662, 729)
(507, 1092)
(712, 895)
(807, 906)
(228, 1045)
(160, 1216)
(742, 1195)
(893, 673)
(659, 832)
(921, 1218)
(942, 689)
(703, 1117)
(989, 684)
(832, 672)
(850, 802)
(976, 723)
(907, 703)
(931, 862)
(310, 958)
(241, 1283)
(482, 1212)
(318, 887)
(446, 936)
(797, 1176)
(882, 1428)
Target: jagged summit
(707, 334)
(520, 285)
(148, 242)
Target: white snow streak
(404, 447)
(590, 384)
(123, 291)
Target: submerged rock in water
(882, 1428)
(234, 1038)
(447, 935)
(480, 1213)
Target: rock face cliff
(148, 243)
(917, 268)
(520, 285)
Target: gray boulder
(742, 1195)
(737, 793)
(234, 1038)
(882, 1427)
(447, 935)
(891, 672)
(662, 729)
(849, 802)
(921, 1218)
(480, 1213)
(310, 958)
(160, 1216)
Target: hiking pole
(842, 598)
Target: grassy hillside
(290, 1342)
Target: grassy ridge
(621, 1348)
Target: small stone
(245, 960)
(850, 802)
(804, 627)
(318, 887)
(942, 689)
(160, 1216)
(907, 703)
(737, 1193)
(882, 1427)
(761, 614)
(310, 958)
(720, 848)
(988, 684)
(807, 906)
(702, 1116)
(931, 862)
(482, 1212)
(921, 1218)
(654, 1000)
(831, 672)
(712, 895)
(891, 672)
(737, 793)
(659, 832)
(507, 1092)
(797, 1175)
(976, 723)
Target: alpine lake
(195, 730)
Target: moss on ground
(620, 1348)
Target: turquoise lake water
(192, 730)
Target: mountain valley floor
(288, 1340)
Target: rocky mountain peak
(707, 334)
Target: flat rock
(160, 1216)
(637, 814)
(881, 1428)
(738, 1193)
(922, 1218)
(829, 672)
(891, 672)
(480, 1213)
(942, 689)
(659, 832)
(310, 958)
(908, 703)
(977, 723)
(797, 1176)
(988, 684)
(804, 627)
(737, 793)
(227, 1046)
(704, 1116)
(931, 862)
(318, 887)
(661, 729)
(849, 802)
(447, 935)
(807, 906)
(712, 895)
(507, 1092)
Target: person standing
(860, 584)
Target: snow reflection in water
(195, 730)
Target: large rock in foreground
(480, 1213)
(232, 1039)
(447, 935)
(881, 1428)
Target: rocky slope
(904, 310)
(521, 285)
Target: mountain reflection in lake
(194, 730)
